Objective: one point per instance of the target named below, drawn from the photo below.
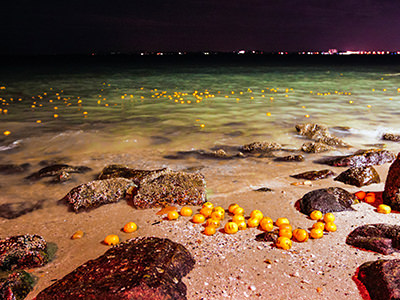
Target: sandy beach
(228, 266)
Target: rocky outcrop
(381, 279)
(141, 268)
(60, 172)
(391, 194)
(315, 147)
(320, 134)
(16, 285)
(260, 147)
(170, 187)
(362, 158)
(290, 158)
(13, 169)
(115, 171)
(98, 192)
(391, 137)
(359, 176)
(331, 199)
(382, 238)
(314, 175)
(23, 252)
(16, 209)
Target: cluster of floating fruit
(212, 216)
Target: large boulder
(331, 199)
(359, 176)
(98, 192)
(141, 268)
(170, 187)
(381, 279)
(16, 285)
(314, 175)
(362, 158)
(23, 252)
(391, 194)
(260, 147)
(382, 238)
(320, 134)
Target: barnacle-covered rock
(314, 175)
(141, 268)
(359, 176)
(391, 137)
(391, 194)
(311, 129)
(16, 285)
(98, 192)
(22, 252)
(290, 158)
(362, 158)
(260, 147)
(115, 171)
(315, 147)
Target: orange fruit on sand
(286, 232)
(266, 226)
(206, 211)
(316, 215)
(384, 209)
(172, 215)
(238, 211)
(316, 233)
(281, 221)
(360, 195)
(232, 207)
(330, 227)
(284, 243)
(300, 235)
(209, 230)
(217, 215)
(238, 218)
(319, 225)
(213, 222)
(186, 211)
(286, 226)
(266, 220)
(231, 227)
(329, 217)
(219, 208)
(370, 198)
(208, 205)
(130, 227)
(253, 222)
(111, 239)
(198, 218)
(242, 225)
(256, 214)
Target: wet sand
(227, 266)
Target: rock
(310, 129)
(391, 193)
(290, 158)
(141, 268)
(23, 252)
(381, 279)
(330, 140)
(16, 285)
(314, 175)
(17, 209)
(331, 199)
(170, 187)
(315, 147)
(56, 170)
(268, 236)
(98, 192)
(382, 238)
(359, 176)
(115, 171)
(61, 177)
(391, 137)
(362, 158)
(263, 189)
(13, 169)
(261, 147)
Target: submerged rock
(381, 279)
(13, 169)
(315, 147)
(57, 170)
(260, 147)
(391, 137)
(115, 171)
(382, 238)
(23, 252)
(331, 199)
(290, 158)
(17, 209)
(16, 285)
(359, 176)
(362, 158)
(314, 175)
(141, 268)
(310, 129)
(98, 192)
(170, 187)
(391, 193)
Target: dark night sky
(85, 26)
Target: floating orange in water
(300, 235)
(130, 227)
(111, 239)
